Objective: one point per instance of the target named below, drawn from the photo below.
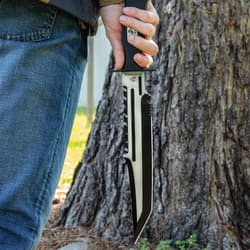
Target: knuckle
(135, 12)
(157, 20)
(155, 50)
(151, 30)
(149, 61)
(148, 16)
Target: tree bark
(201, 124)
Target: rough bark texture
(201, 116)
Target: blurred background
(91, 92)
(99, 52)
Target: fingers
(149, 15)
(115, 39)
(145, 22)
(148, 46)
(143, 61)
(147, 29)
(110, 15)
(118, 51)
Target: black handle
(129, 50)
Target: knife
(137, 119)
(138, 131)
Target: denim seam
(44, 33)
(40, 200)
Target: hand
(144, 21)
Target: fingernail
(126, 9)
(123, 18)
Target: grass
(77, 143)
(187, 244)
(78, 139)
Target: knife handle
(129, 50)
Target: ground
(55, 236)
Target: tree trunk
(201, 124)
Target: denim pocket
(26, 20)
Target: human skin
(144, 21)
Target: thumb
(118, 52)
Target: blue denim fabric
(42, 59)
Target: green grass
(186, 244)
(77, 143)
(78, 139)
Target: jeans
(43, 54)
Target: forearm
(109, 2)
